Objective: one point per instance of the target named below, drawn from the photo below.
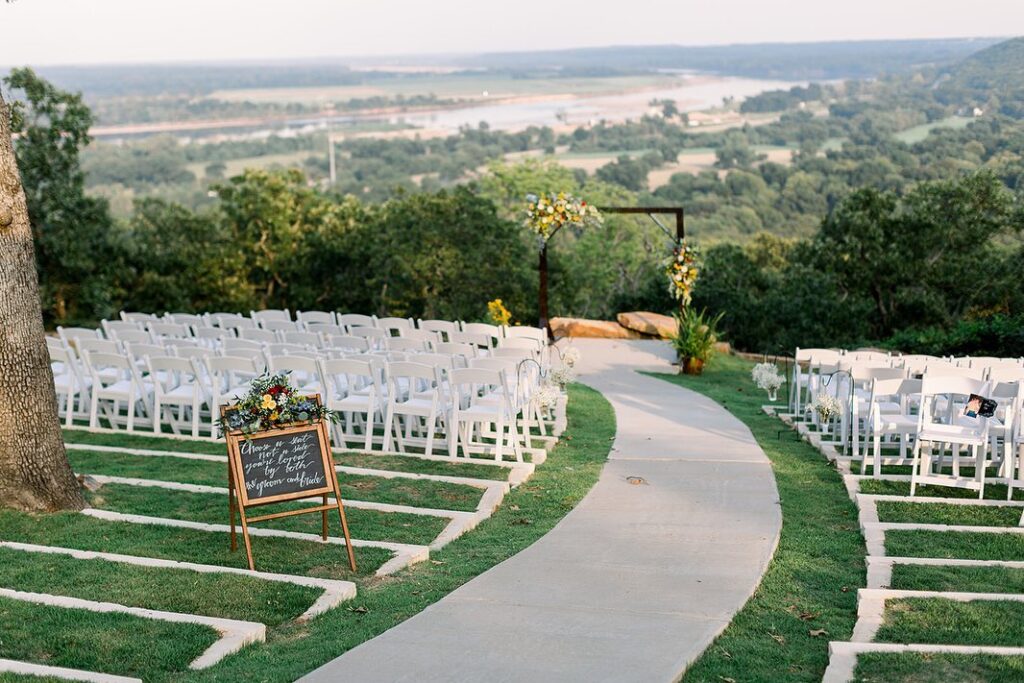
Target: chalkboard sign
(283, 464)
(277, 465)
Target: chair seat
(952, 434)
(415, 406)
(903, 423)
(353, 402)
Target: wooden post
(542, 304)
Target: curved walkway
(636, 581)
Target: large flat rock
(651, 324)
(599, 329)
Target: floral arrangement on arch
(547, 213)
(272, 402)
(682, 270)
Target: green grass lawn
(948, 622)
(881, 487)
(292, 649)
(217, 595)
(964, 545)
(283, 555)
(376, 461)
(966, 579)
(810, 586)
(210, 508)
(912, 667)
(945, 513)
(417, 493)
(108, 642)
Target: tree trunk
(34, 470)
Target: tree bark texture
(34, 470)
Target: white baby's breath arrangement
(547, 397)
(826, 406)
(571, 356)
(767, 377)
(562, 376)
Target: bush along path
(944, 596)
(147, 544)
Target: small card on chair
(979, 406)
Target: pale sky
(37, 32)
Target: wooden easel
(238, 498)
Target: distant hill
(786, 61)
(992, 79)
(782, 61)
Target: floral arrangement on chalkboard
(272, 402)
(547, 213)
(681, 270)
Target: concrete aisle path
(636, 581)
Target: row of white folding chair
(939, 418)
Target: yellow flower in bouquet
(268, 402)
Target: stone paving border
(234, 634)
(871, 600)
(335, 591)
(30, 669)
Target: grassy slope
(170, 590)
(211, 508)
(811, 582)
(527, 513)
(112, 643)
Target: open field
(235, 167)
(919, 133)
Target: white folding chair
(177, 382)
(308, 339)
(941, 423)
(350, 320)
(408, 386)
(885, 423)
(482, 407)
(307, 318)
(116, 379)
(268, 314)
(303, 372)
(138, 317)
(492, 332)
(347, 342)
(230, 378)
(112, 327)
(441, 327)
(395, 327)
(258, 335)
(352, 389)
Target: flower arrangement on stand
(497, 313)
(272, 402)
(767, 377)
(681, 270)
(826, 407)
